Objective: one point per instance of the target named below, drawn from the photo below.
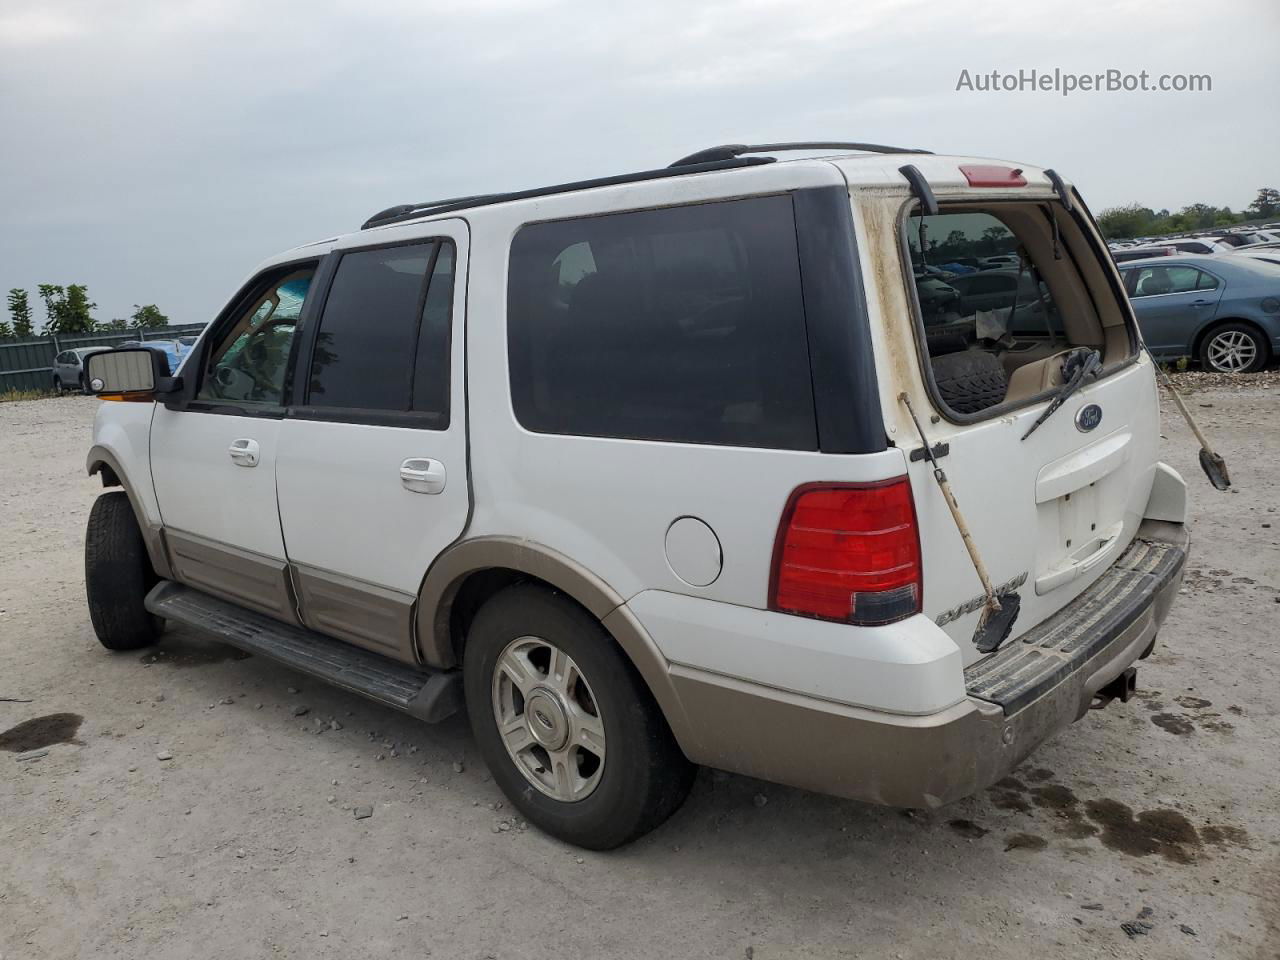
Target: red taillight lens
(848, 552)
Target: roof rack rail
(419, 208)
(413, 211)
(730, 150)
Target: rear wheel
(1234, 348)
(57, 384)
(117, 576)
(565, 723)
(84, 384)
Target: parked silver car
(68, 369)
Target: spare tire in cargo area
(970, 381)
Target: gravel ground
(194, 802)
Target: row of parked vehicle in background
(1214, 297)
(69, 365)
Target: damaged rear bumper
(1017, 698)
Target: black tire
(84, 384)
(1261, 350)
(57, 384)
(970, 381)
(645, 777)
(117, 576)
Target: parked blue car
(1222, 310)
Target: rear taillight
(848, 552)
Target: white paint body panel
(125, 430)
(201, 490)
(908, 667)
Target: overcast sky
(156, 151)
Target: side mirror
(136, 373)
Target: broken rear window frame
(1088, 229)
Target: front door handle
(422, 475)
(244, 453)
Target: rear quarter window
(683, 324)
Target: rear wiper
(1078, 368)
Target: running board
(429, 696)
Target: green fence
(28, 364)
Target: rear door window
(1158, 281)
(683, 324)
(383, 338)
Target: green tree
(67, 310)
(147, 317)
(1121, 223)
(1266, 204)
(6, 330)
(20, 311)
(117, 323)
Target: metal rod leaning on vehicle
(997, 618)
(1211, 462)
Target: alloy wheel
(1231, 351)
(548, 719)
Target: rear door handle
(244, 453)
(422, 475)
(1201, 303)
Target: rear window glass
(682, 324)
(368, 354)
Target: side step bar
(429, 696)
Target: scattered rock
(227, 700)
(240, 854)
(1091, 906)
(301, 711)
(1189, 930)
(759, 799)
(32, 755)
(334, 725)
(403, 916)
(363, 812)
(294, 690)
(1136, 928)
(164, 755)
(457, 766)
(331, 799)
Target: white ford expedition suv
(651, 471)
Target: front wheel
(117, 576)
(566, 725)
(1234, 348)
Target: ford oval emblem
(1090, 416)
